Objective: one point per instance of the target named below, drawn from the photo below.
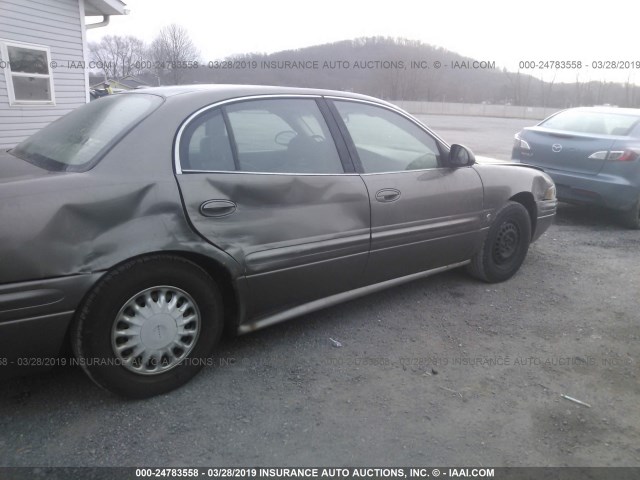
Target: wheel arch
(230, 291)
(527, 201)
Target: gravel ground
(442, 371)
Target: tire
(631, 218)
(160, 305)
(505, 246)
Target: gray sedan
(139, 226)
(592, 154)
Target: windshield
(77, 141)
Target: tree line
(123, 56)
(390, 68)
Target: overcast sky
(503, 31)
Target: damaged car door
(263, 180)
(425, 212)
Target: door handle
(387, 195)
(217, 208)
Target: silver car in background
(592, 154)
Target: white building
(43, 55)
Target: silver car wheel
(155, 330)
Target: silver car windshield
(77, 141)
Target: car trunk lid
(14, 169)
(567, 151)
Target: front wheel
(505, 245)
(148, 326)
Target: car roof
(219, 92)
(608, 109)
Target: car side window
(205, 144)
(386, 141)
(282, 136)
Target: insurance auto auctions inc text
(373, 472)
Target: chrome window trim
(392, 108)
(235, 172)
(190, 118)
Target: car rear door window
(205, 145)
(386, 141)
(282, 136)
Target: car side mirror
(461, 156)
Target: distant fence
(475, 109)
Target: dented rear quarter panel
(60, 224)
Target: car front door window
(386, 141)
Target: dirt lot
(443, 371)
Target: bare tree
(546, 89)
(630, 91)
(515, 82)
(173, 53)
(118, 56)
(579, 91)
(601, 92)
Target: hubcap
(155, 330)
(506, 243)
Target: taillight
(615, 155)
(622, 155)
(520, 143)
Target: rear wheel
(148, 326)
(505, 245)
(631, 218)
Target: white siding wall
(56, 24)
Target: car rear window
(592, 122)
(77, 141)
